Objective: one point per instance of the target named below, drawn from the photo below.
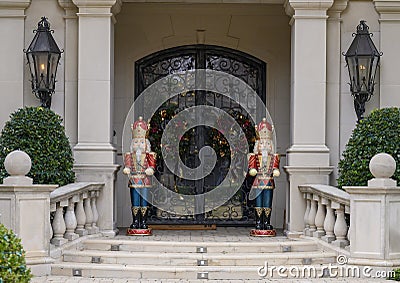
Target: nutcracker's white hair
(255, 150)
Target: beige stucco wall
(260, 30)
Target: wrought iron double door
(238, 210)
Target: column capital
(387, 6)
(13, 9)
(67, 4)
(94, 3)
(337, 8)
(14, 4)
(311, 4)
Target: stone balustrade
(74, 211)
(325, 213)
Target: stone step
(284, 245)
(191, 259)
(181, 272)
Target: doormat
(183, 227)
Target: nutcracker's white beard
(138, 153)
(264, 155)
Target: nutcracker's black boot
(136, 218)
(258, 216)
(143, 223)
(267, 223)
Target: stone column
(308, 156)
(12, 16)
(333, 71)
(19, 200)
(374, 216)
(389, 82)
(94, 153)
(71, 70)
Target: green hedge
(379, 132)
(12, 258)
(39, 132)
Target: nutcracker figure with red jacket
(264, 164)
(140, 164)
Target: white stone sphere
(382, 165)
(18, 163)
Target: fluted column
(12, 67)
(333, 75)
(94, 154)
(71, 70)
(308, 155)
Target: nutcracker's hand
(253, 172)
(149, 171)
(126, 171)
(276, 173)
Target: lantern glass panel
(364, 72)
(53, 63)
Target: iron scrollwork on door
(238, 210)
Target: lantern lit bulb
(42, 67)
(362, 67)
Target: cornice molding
(311, 5)
(67, 4)
(339, 6)
(387, 6)
(14, 4)
(94, 3)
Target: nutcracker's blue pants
(139, 199)
(264, 198)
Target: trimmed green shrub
(12, 258)
(379, 132)
(396, 276)
(39, 132)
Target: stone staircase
(190, 256)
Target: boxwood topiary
(379, 132)
(39, 132)
(12, 258)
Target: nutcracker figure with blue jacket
(264, 165)
(140, 164)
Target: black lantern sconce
(362, 60)
(43, 57)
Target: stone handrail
(75, 211)
(325, 213)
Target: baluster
(59, 225)
(340, 228)
(311, 216)
(319, 218)
(94, 195)
(70, 219)
(89, 214)
(329, 222)
(307, 226)
(53, 208)
(347, 211)
(80, 217)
